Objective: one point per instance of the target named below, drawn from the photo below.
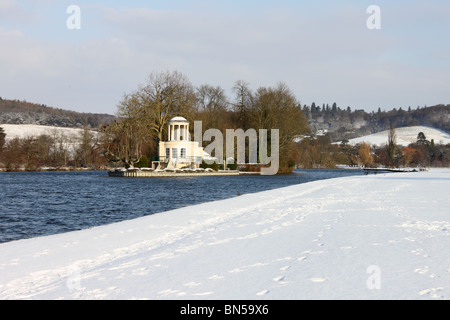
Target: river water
(36, 204)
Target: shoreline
(117, 172)
(57, 169)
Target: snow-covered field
(405, 136)
(365, 237)
(30, 130)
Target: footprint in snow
(202, 294)
(171, 292)
(423, 270)
(263, 293)
(192, 284)
(433, 293)
(42, 253)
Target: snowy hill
(365, 237)
(23, 112)
(405, 136)
(30, 130)
(358, 123)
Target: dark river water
(35, 204)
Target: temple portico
(179, 151)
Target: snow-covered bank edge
(315, 240)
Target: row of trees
(423, 152)
(54, 150)
(142, 118)
(143, 115)
(347, 123)
(319, 152)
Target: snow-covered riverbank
(380, 236)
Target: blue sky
(322, 50)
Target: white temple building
(179, 151)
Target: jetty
(149, 173)
(395, 169)
(381, 169)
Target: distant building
(179, 151)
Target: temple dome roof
(178, 119)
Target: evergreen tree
(334, 108)
(306, 111)
(421, 139)
(391, 146)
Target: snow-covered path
(366, 237)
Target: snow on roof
(178, 119)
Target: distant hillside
(22, 112)
(23, 131)
(404, 136)
(339, 124)
(342, 124)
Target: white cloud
(13, 11)
(326, 56)
(90, 77)
(8, 6)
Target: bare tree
(60, 148)
(87, 147)
(12, 155)
(125, 137)
(163, 96)
(211, 107)
(391, 147)
(244, 101)
(277, 108)
(2, 138)
(364, 153)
